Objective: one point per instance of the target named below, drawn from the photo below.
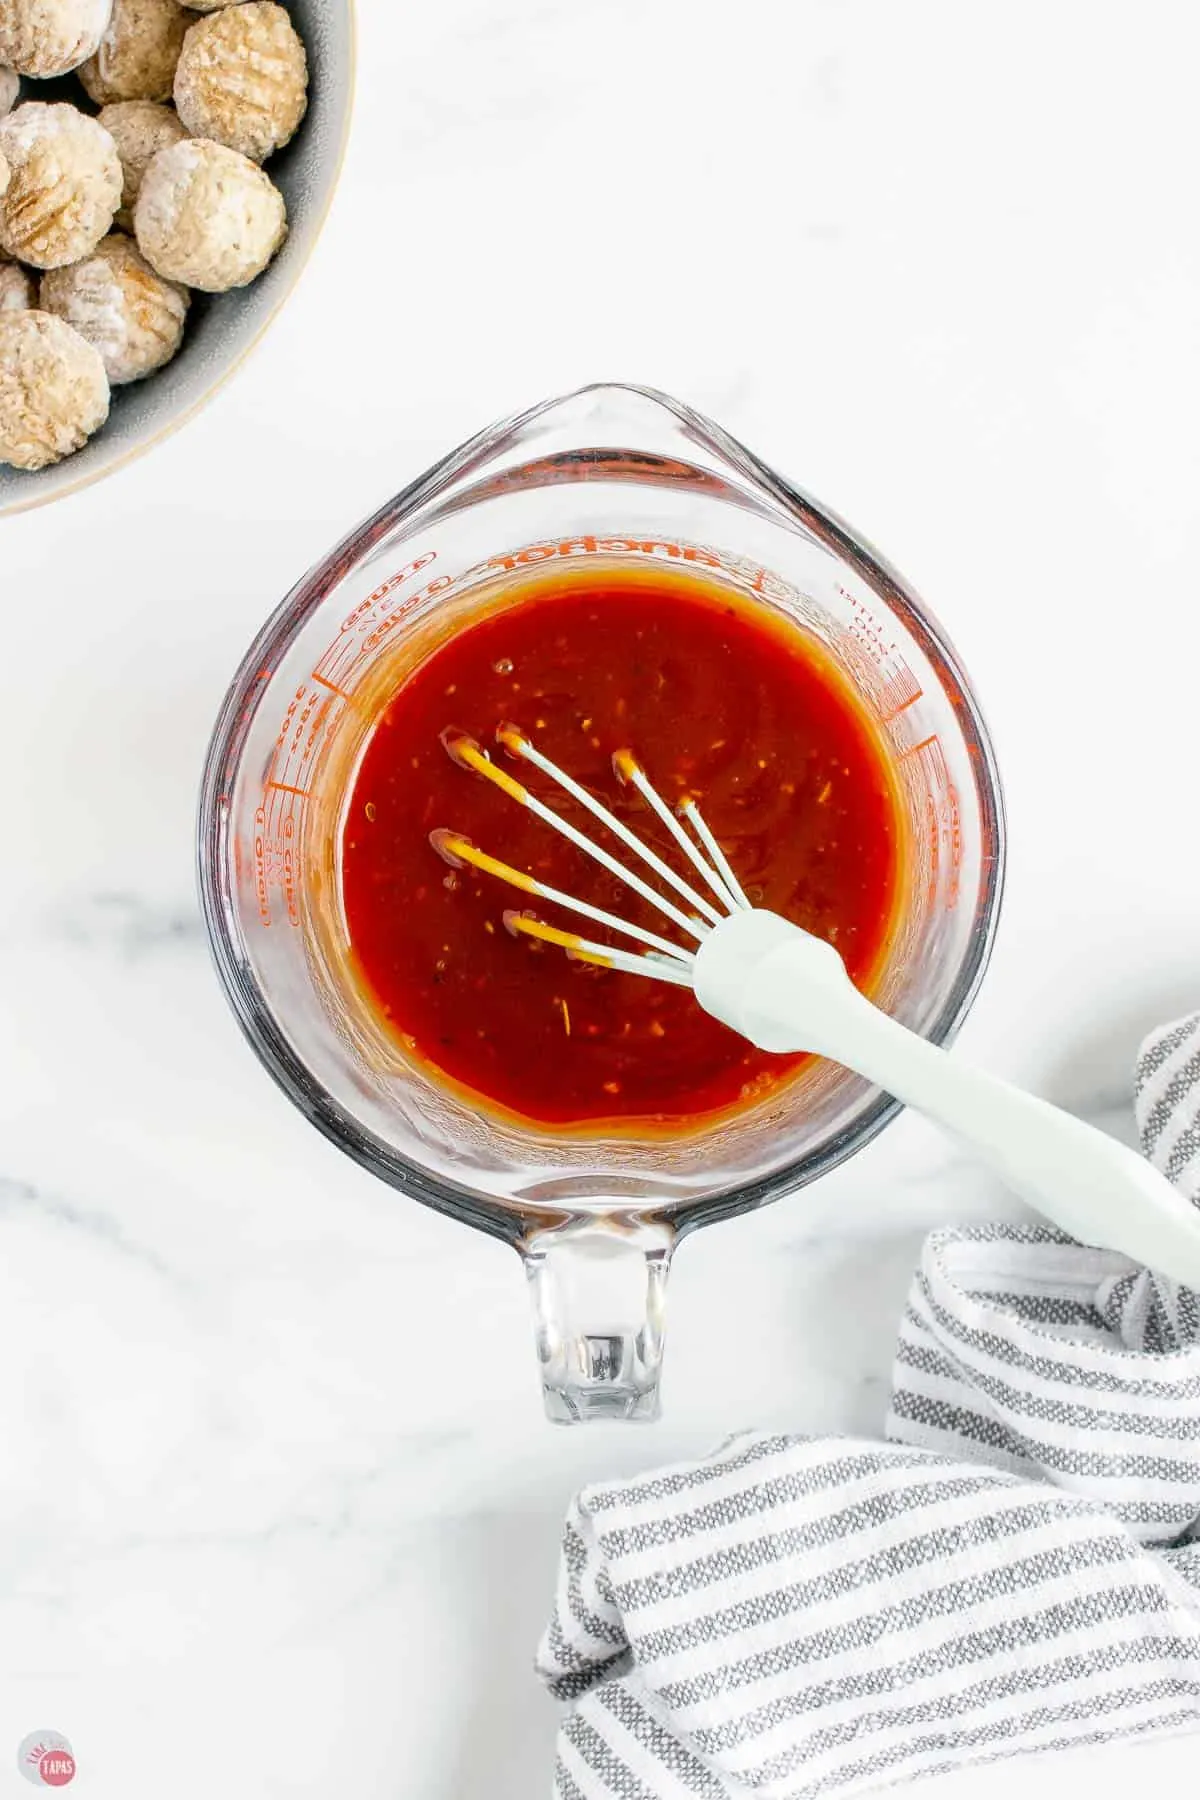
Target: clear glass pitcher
(607, 475)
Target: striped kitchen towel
(1017, 1568)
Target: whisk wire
(604, 956)
(455, 849)
(467, 753)
(734, 895)
(518, 744)
(628, 768)
(661, 959)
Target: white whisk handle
(786, 990)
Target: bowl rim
(10, 509)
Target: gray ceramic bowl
(223, 328)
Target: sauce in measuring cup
(752, 718)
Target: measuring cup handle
(598, 1288)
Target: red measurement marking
(331, 685)
(261, 885)
(898, 689)
(903, 707)
(284, 787)
(944, 817)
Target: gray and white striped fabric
(1017, 1568)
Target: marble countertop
(278, 1507)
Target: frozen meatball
(65, 184)
(18, 291)
(207, 216)
(139, 129)
(53, 390)
(48, 37)
(243, 78)
(137, 54)
(115, 300)
(10, 87)
(207, 6)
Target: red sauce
(749, 716)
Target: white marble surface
(278, 1508)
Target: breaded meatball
(48, 37)
(115, 300)
(64, 187)
(243, 79)
(207, 216)
(137, 55)
(139, 129)
(18, 290)
(53, 390)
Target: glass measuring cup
(606, 476)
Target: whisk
(786, 991)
